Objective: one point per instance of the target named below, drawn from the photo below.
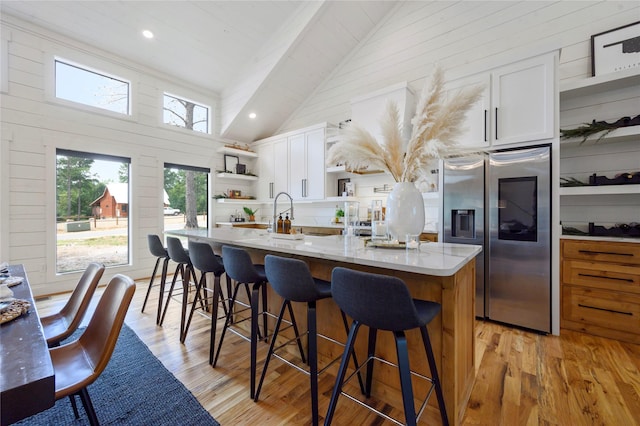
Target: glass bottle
(280, 226)
(287, 225)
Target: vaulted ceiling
(265, 57)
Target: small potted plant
(251, 213)
(339, 215)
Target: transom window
(184, 113)
(93, 88)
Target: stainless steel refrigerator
(502, 201)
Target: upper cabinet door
(297, 167)
(266, 172)
(272, 169)
(280, 167)
(315, 181)
(306, 167)
(522, 98)
(476, 128)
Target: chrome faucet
(275, 204)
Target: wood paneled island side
(441, 272)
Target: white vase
(405, 211)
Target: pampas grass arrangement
(436, 125)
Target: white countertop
(438, 259)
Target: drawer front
(601, 308)
(610, 276)
(601, 251)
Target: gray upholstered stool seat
(383, 302)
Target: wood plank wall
(464, 37)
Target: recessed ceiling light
(147, 34)
(252, 115)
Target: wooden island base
(451, 333)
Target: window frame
(91, 64)
(130, 230)
(209, 107)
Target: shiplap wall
(35, 124)
(464, 37)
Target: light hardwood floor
(523, 378)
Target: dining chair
(62, 324)
(79, 363)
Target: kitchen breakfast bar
(440, 272)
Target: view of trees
(76, 187)
(176, 182)
(183, 113)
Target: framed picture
(615, 50)
(342, 186)
(230, 163)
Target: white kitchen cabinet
(273, 163)
(476, 131)
(522, 101)
(293, 162)
(306, 166)
(517, 104)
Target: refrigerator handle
(485, 124)
(496, 123)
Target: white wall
(35, 124)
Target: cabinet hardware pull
(628, 280)
(613, 253)
(605, 309)
(485, 124)
(496, 123)
(270, 189)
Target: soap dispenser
(280, 225)
(287, 225)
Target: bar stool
(157, 249)
(184, 268)
(240, 268)
(206, 261)
(292, 280)
(383, 302)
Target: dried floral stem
(436, 124)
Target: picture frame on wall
(342, 186)
(615, 50)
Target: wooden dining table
(27, 381)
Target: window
(186, 114)
(92, 88)
(186, 190)
(92, 210)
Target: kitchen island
(444, 273)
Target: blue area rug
(134, 389)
